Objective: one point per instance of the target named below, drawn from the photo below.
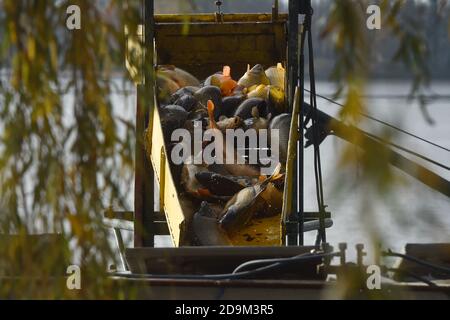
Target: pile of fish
(228, 196)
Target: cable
(233, 276)
(424, 263)
(418, 155)
(321, 235)
(415, 276)
(385, 123)
(265, 262)
(403, 97)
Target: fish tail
(275, 176)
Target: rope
(403, 97)
(385, 123)
(407, 150)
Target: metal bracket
(316, 215)
(305, 7)
(360, 254)
(219, 14)
(275, 11)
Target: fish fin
(226, 71)
(278, 177)
(212, 121)
(276, 172)
(204, 193)
(275, 176)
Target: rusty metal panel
(204, 48)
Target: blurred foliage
(346, 26)
(355, 48)
(62, 164)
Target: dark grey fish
(219, 185)
(207, 229)
(183, 92)
(172, 117)
(244, 111)
(210, 93)
(243, 206)
(282, 123)
(188, 102)
(230, 104)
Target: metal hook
(219, 14)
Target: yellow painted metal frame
(170, 201)
(294, 137)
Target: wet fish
(283, 124)
(172, 117)
(273, 197)
(210, 93)
(257, 122)
(207, 229)
(166, 87)
(237, 168)
(179, 76)
(188, 102)
(254, 76)
(193, 187)
(183, 92)
(218, 184)
(242, 207)
(189, 181)
(223, 80)
(230, 104)
(244, 111)
(224, 123)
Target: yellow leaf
(53, 55)
(31, 48)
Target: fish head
(230, 220)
